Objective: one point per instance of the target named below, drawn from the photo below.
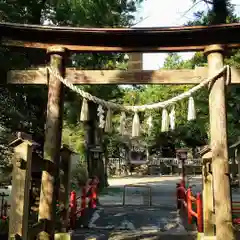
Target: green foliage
(79, 176)
(5, 157)
(189, 134)
(24, 107)
(73, 135)
(174, 61)
(192, 133)
(90, 13)
(219, 11)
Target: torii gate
(58, 40)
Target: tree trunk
(220, 11)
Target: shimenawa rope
(164, 104)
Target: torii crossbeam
(183, 76)
(164, 39)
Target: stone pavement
(114, 221)
(161, 221)
(163, 190)
(132, 222)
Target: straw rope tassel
(122, 123)
(136, 125)
(100, 114)
(191, 109)
(165, 120)
(108, 124)
(172, 116)
(84, 115)
(158, 105)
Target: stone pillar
(21, 183)
(208, 208)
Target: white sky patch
(158, 13)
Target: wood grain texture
(184, 76)
(165, 39)
(96, 48)
(219, 147)
(52, 145)
(65, 185)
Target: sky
(157, 13)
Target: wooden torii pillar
(53, 125)
(217, 110)
(64, 190)
(173, 39)
(219, 145)
(52, 145)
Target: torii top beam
(165, 39)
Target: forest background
(23, 108)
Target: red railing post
(180, 194)
(199, 213)
(189, 206)
(93, 196)
(73, 207)
(188, 198)
(90, 187)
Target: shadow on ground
(137, 219)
